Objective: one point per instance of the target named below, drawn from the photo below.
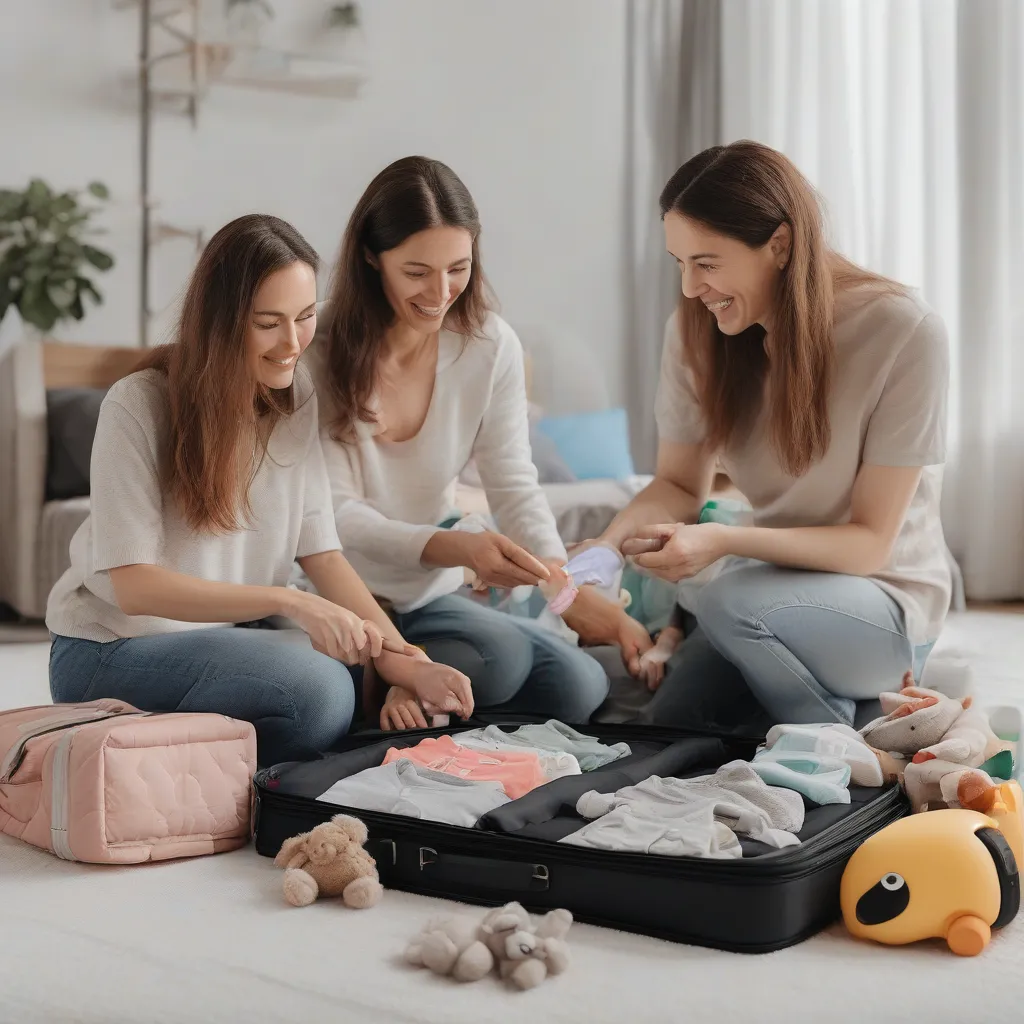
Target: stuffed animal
(925, 736)
(525, 951)
(330, 861)
(450, 945)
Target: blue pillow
(593, 445)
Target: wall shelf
(178, 66)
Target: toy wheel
(968, 936)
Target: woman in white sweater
(417, 376)
(208, 482)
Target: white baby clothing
(694, 833)
(735, 795)
(835, 740)
(553, 765)
(821, 778)
(554, 736)
(406, 788)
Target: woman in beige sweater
(820, 388)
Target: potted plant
(45, 260)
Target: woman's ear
(781, 244)
(370, 258)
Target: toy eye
(885, 900)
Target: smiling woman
(208, 482)
(820, 388)
(418, 376)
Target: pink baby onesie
(518, 772)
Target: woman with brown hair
(208, 482)
(416, 377)
(820, 389)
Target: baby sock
(819, 777)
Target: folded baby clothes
(835, 740)
(554, 766)
(518, 771)
(693, 833)
(738, 797)
(821, 778)
(555, 736)
(406, 788)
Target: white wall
(525, 101)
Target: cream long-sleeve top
(391, 497)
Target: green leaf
(39, 311)
(99, 190)
(11, 204)
(75, 307)
(85, 285)
(65, 203)
(97, 257)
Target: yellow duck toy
(948, 874)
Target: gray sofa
(34, 532)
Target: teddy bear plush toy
(330, 861)
(525, 951)
(928, 740)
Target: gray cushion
(551, 467)
(71, 415)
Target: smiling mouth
(721, 304)
(430, 312)
(280, 362)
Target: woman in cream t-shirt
(820, 389)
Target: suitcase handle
(484, 873)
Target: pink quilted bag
(106, 783)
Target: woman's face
(737, 283)
(281, 324)
(424, 276)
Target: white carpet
(209, 941)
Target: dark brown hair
(746, 191)
(216, 406)
(408, 196)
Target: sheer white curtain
(908, 115)
(673, 97)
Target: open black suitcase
(765, 901)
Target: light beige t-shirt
(887, 408)
(131, 523)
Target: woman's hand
(496, 560)
(335, 631)
(401, 710)
(674, 551)
(440, 689)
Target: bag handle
(483, 874)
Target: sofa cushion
(71, 415)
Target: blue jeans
(300, 701)
(513, 664)
(792, 645)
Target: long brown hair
(220, 417)
(746, 191)
(408, 196)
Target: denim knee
(323, 703)
(723, 609)
(585, 688)
(503, 662)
